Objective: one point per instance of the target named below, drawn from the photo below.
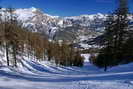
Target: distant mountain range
(75, 28)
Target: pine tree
(115, 37)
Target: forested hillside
(18, 41)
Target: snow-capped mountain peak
(33, 9)
(25, 14)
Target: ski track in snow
(44, 75)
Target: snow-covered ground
(44, 75)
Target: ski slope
(45, 75)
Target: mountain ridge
(74, 28)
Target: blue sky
(66, 7)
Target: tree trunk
(14, 55)
(7, 54)
(105, 68)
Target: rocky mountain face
(54, 26)
(78, 29)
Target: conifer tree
(115, 37)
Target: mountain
(37, 21)
(77, 29)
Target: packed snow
(46, 75)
